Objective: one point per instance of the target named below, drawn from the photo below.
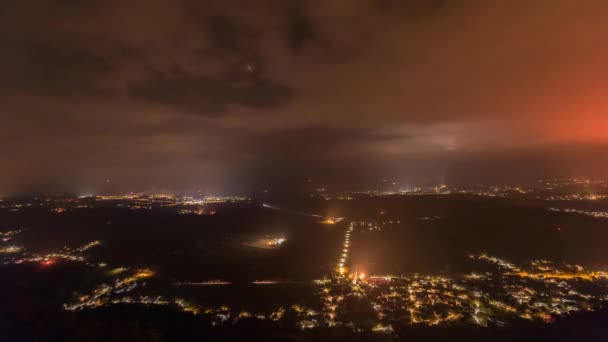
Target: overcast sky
(240, 95)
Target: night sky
(223, 96)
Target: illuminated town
(558, 190)
(547, 190)
(350, 295)
(501, 293)
(133, 201)
(596, 214)
(495, 292)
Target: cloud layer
(233, 95)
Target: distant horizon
(383, 186)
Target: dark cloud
(73, 6)
(227, 35)
(207, 95)
(316, 144)
(299, 29)
(72, 60)
(62, 69)
(189, 92)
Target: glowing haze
(236, 96)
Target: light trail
(202, 283)
(341, 267)
(224, 282)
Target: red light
(48, 262)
